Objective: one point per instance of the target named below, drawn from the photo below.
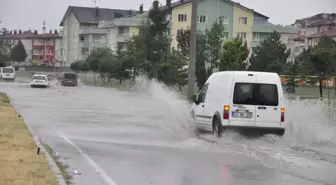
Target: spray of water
(308, 122)
(177, 108)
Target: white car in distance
(39, 80)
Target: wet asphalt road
(125, 138)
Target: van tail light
(226, 112)
(282, 114)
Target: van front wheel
(217, 128)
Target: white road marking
(100, 171)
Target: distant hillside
(318, 17)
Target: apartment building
(121, 30)
(81, 33)
(237, 19)
(40, 47)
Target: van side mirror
(193, 99)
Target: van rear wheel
(217, 128)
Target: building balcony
(98, 45)
(84, 44)
(92, 30)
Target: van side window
(243, 94)
(202, 94)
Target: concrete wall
(71, 39)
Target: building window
(179, 32)
(223, 20)
(242, 20)
(226, 35)
(201, 18)
(120, 31)
(256, 36)
(242, 35)
(182, 17)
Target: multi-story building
(312, 28)
(121, 30)
(39, 47)
(238, 20)
(44, 46)
(81, 33)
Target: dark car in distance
(69, 79)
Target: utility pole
(95, 2)
(192, 50)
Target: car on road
(39, 80)
(69, 79)
(240, 100)
(8, 73)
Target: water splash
(175, 107)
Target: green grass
(62, 167)
(4, 99)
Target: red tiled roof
(329, 33)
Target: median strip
(20, 163)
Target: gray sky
(29, 14)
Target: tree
(215, 38)
(18, 53)
(322, 59)
(94, 58)
(157, 42)
(271, 55)
(201, 59)
(106, 66)
(76, 66)
(174, 69)
(136, 51)
(234, 55)
(122, 67)
(183, 43)
(5, 48)
(292, 76)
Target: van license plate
(242, 114)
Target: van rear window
(256, 94)
(7, 70)
(70, 76)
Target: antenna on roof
(95, 2)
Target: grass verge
(20, 163)
(63, 167)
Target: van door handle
(262, 108)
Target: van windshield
(70, 76)
(256, 94)
(7, 70)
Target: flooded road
(145, 138)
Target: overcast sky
(29, 14)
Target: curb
(51, 162)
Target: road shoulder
(19, 158)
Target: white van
(8, 73)
(240, 99)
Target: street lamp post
(192, 50)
